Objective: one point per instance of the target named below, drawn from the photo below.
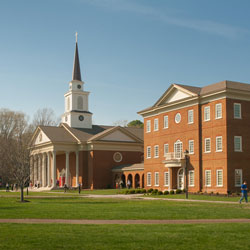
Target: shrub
(138, 191)
(144, 191)
(155, 191)
(131, 191)
(160, 193)
(178, 191)
(150, 190)
(166, 192)
(172, 192)
(126, 191)
(217, 193)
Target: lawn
(198, 236)
(107, 208)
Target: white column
(48, 169)
(32, 169)
(39, 170)
(67, 169)
(43, 171)
(77, 168)
(54, 169)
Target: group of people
(11, 187)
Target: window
(166, 148)
(207, 145)
(166, 179)
(218, 111)
(207, 113)
(148, 152)
(191, 178)
(238, 144)
(79, 103)
(219, 178)
(149, 179)
(148, 127)
(238, 177)
(191, 146)
(68, 103)
(166, 121)
(190, 116)
(178, 118)
(156, 179)
(208, 178)
(218, 143)
(155, 124)
(237, 110)
(156, 153)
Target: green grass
(198, 197)
(96, 191)
(192, 237)
(107, 208)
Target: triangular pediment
(39, 137)
(173, 94)
(117, 136)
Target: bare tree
(45, 117)
(122, 123)
(15, 135)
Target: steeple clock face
(79, 86)
(81, 118)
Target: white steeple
(77, 113)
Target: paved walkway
(127, 222)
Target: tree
(122, 123)
(15, 134)
(45, 117)
(135, 123)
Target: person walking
(244, 192)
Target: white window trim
(149, 185)
(191, 110)
(240, 150)
(240, 111)
(164, 121)
(235, 178)
(157, 185)
(220, 150)
(165, 153)
(191, 171)
(217, 178)
(191, 153)
(216, 105)
(166, 185)
(205, 145)
(156, 129)
(148, 125)
(205, 108)
(156, 156)
(208, 171)
(148, 157)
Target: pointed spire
(76, 75)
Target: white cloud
(206, 26)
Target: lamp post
(186, 153)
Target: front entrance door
(180, 179)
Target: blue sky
(130, 51)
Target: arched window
(79, 102)
(68, 103)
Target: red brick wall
(214, 160)
(238, 127)
(181, 131)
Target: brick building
(78, 152)
(213, 124)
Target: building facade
(212, 124)
(78, 152)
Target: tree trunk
(21, 187)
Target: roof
(65, 133)
(209, 89)
(76, 75)
(129, 167)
